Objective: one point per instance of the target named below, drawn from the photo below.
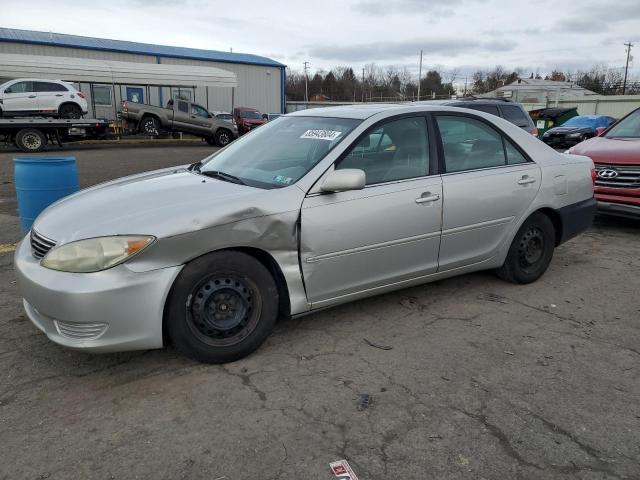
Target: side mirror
(600, 131)
(344, 180)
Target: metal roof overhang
(105, 71)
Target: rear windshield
(515, 115)
(250, 114)
(280, 152)
(626, 128)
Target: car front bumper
(113, 310)
(619, 209)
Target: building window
(181, 94)
(102, 95)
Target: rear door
(488, 183)
(182, 116)
(50, 95)
(20, 97)
(388, 232)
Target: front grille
(40, 245)
(80, 331)
(626, 176)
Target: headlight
(577, 134)
(95, 254)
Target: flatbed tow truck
(31, 134)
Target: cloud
(388, 51)
(600, 17)
(409, 7)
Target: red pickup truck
(616, 155)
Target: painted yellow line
(7, 247)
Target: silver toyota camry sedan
(311, 210)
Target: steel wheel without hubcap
(31, 141)
(531, 250)
(222, 306)
(223, 310)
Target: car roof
(362, 112)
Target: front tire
(531, 251)
(222, 137)
(222, 307)
(31, 140)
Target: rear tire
(149, 126)
(70, 110)
(30, 140)
(531, 251)
(222, 307)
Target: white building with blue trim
(110, 71)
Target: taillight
(81, 95)
(125, 107)
(594, 175)
(534, 131)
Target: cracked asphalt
(483, 380)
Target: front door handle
(427, 197)
(58, 94)
(32, 96)
(526, 180)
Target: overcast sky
(454, 34)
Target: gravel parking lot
(477, 379)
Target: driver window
(199, 111)
(397, 150)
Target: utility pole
(626, 68)
(306, 83)
(363, 84)
(465, 87)
(419, 75)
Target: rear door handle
(32, 96)
(58, 94)
(428, 197)
(526, 180)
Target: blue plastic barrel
(40, 181)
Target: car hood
(162, 203)
(568, 130)
(610, 150)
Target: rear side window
(515, 115)
(492, 109)
(471, 144)
(49, 87)
(183, 107)
(20, 87)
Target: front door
(201, 120)
(20, 97)
(487, 185)
(386, 233)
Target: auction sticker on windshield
(321, 134)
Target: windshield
(250, 114)
(279, 153)
(626, 128)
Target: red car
(616, 155)
(247, 119)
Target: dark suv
(501, 107)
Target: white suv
(33, 96)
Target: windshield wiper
(227, 177)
